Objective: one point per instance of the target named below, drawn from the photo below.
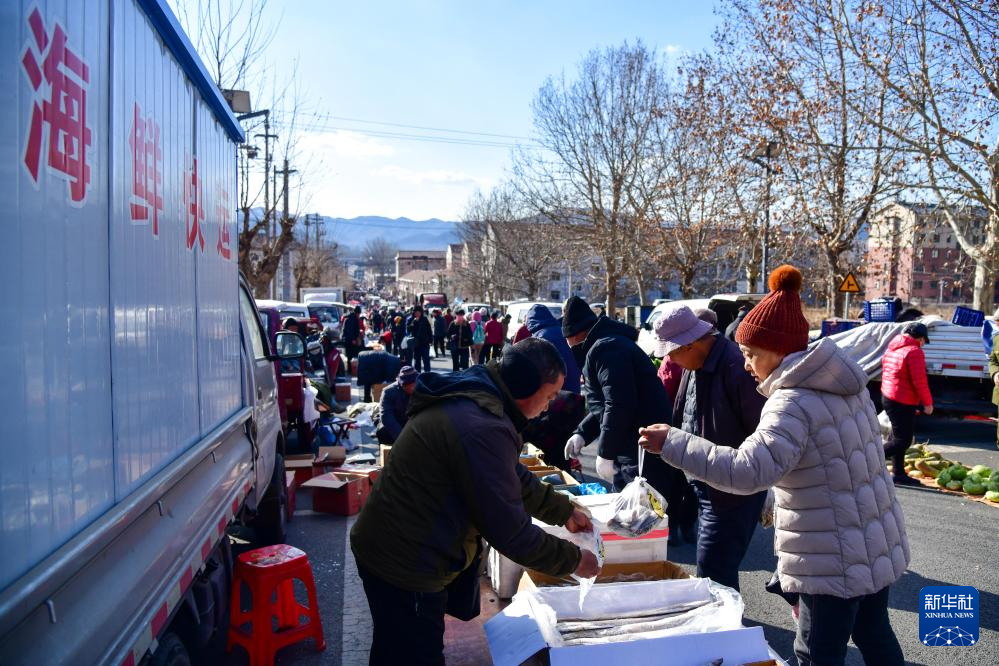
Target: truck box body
(125, 395)
(327, 294)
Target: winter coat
(455, 474)
(903, 372)
(522, 334)
(460, 335)
(494, 332)
(351, 330)
(994, 368)
(728, 405)
(390, 417)
(376, 367)
(420, 330)
(540, 323)
(621, 389)
(731, 329)
(839, 528)
(440, 326)
(670, 373)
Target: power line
(429, 138)
(424, 127)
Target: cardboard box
(290, 485)
(542, 472)
(343, 392)
(371, 472)
(383, 454)
(301, 465)
(353, 367)
(327, 458)
(376, 391)
(532, 580)
(515, 635)
(530, 461)
(339, 493)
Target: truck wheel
(272, 515)
(170, 652)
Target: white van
(518, 314)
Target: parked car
(328, 314)
(518, 314)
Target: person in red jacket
(903, 388)
(494, 339)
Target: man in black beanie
(454, 475)
(622, 395)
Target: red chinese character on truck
(147, 174)
(224, 244)
(59, 78)
(194, 211)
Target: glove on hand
(605, 469)
(574, 446)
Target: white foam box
(648, 548)
(515, 635)
(504, 574)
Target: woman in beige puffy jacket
(840, 533)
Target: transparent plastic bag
(620, 612)
(639, 508)
(590, 541)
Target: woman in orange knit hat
(840, 533)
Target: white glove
(605, 469)
(574, 446)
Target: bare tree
(379, 255)
(807, 92)
(938, 62)
(594, 131)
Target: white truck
(324, 294)
(139, 398)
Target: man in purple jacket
(717, 399)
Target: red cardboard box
(328, 458)
(343, 392)
(301, 465)
(339, 493)
(369, 471)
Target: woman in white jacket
(840, 534)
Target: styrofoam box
(648, 548)
(504, 574)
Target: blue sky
(471, 66)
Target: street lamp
(761, 156)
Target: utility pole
(284, 257)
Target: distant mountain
(432, 234)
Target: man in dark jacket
(459, 340)
(353, 342)
(454, 475)
(717, 399)
(440, 332)
(377, 322)
(542, 324)
(622, 395)
(418, 327)
(390, 417)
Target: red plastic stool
(270, 574)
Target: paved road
(953, 541)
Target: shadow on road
(905, 596)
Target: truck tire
(170, 652)
(272, 516)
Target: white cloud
(432, 177)
(673, 49)
(345, 143)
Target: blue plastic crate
(880, 309)
(834, 326)
(967, 317)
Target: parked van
(726, 306)
(518, 314)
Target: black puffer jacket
(621, 389)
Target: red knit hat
(777, 323)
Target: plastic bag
(590, 541)
(639, 508)
(628, 611)
(309, 396)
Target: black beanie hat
(578, 316)
(519, 374)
